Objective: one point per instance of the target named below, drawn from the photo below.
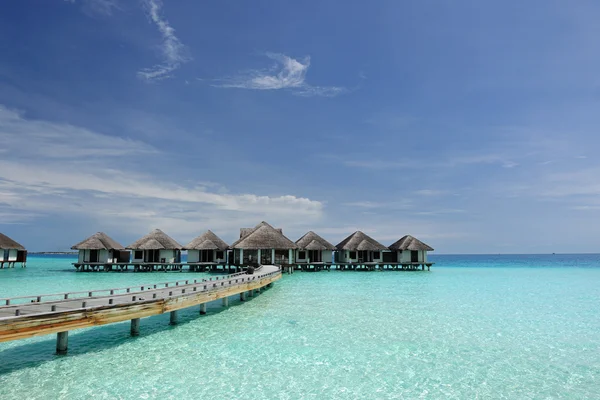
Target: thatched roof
(312, 241)
(263, 236)
(360, 241)
(410, 243)
(247, 231)
(207, 241)
(7, 243)
(314, 245)
(155, 240)
(98, 241)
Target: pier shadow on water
(30, 353)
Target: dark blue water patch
(516, 260)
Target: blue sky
(471, 125)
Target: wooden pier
(226, 268)
(29, 316)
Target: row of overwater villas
(262, 244)
(11, 252)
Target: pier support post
(173, 318)
(62, 342)
(135, 327)
(202, 308)
(243, 296)
(225, 301)
(251, 293)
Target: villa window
(376, 254)
(138, 254)
(220, 255)
(302, 255)
(352, 255)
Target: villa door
(94, 256)
(365, 256)
(206, 256)
(414, 256)
(315, 255)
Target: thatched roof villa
(102, 249)
(410, 250)
(312, 248)
(263, 244)
(11, 252)
(360, 248)
(156, 247)
(207, 248)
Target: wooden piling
(62, 342)
(135, 327)
(225, 301)
(202, 308)
(173, 318)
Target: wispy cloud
(174, 53)
(61, 141)
(287, 73)
(398, 205)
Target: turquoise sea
(516, 327)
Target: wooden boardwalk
(24, 317)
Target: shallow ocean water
(515, 327)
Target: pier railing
(43, 298)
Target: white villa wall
(405, 256)
(11, 256)
(140, 259)
(327, 256)
(301, 260)
(104, 256)
(380, 258)
(193, 256)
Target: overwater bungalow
(263, 245)
(100, 251)
(206, 251)
(156, 250)
(11, 252)
(360, 248)
(314, 252)
(408, 250)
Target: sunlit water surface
(514, 327)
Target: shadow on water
(97, 339)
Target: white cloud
(52, 168)
(288, 73)
(174, 53)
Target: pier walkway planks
(25, 317)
